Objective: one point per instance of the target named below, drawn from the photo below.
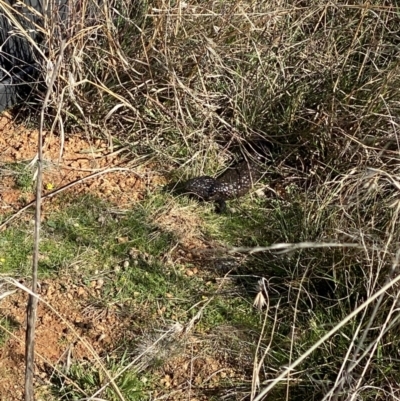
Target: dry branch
(32, 299)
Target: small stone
(99, 283)
(133, 253)
(260, 193)
(81, 291)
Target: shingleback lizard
(236, 181)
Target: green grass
(323, 284)
(132, 386)
(8, 325)
(23, 176)
(16, 246)
(88, 233)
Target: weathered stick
(32, 299)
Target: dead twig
(32, 299)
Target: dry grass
(194, 83)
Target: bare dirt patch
(80, 158)
(197, 374)
(71, 330)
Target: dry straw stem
(285, 247)
(258, 363)
(341, 324)
(293, 330)
(391, 321)
(32, 300)
(10, 11)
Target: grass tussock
(311, 85)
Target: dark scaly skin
(233, 183)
